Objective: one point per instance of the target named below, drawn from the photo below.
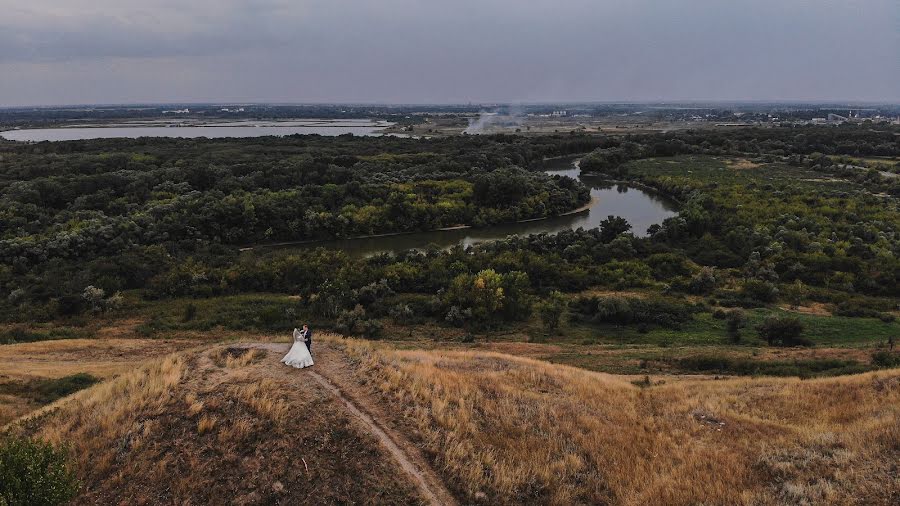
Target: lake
(641, 208)
(186, 129)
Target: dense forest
(118, 210)
(768, 215)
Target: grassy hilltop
(224, 423)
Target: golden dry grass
(234, 357)
(206, 423)
(54, 359)
(101, 358)
(741, 164)
(525, 431)
(183, 430)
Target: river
(641, 208)
(189, 129)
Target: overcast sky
(441, 51)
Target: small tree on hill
(551, 310)
(795, 293)
(735, 320)
(783, 331)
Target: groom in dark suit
(307, 337)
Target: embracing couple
(300, 355)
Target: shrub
(355, 321)
(371, 293)
(33, 472)
(190, 311)
(458, 317)
(704, 282)
(47, 391)
(886, 359)
(668, 265)
(551, 310)
(762, 291)
(19, 334)
(421, 305)
(96, 299)
(735, 320)
(623, 311)
(402, 313)
(796, 292)
(69, 305)
(745, 367)
(855, 308)
(782, 331)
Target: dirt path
(332, 374)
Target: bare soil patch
(815, 308)
(741, 164)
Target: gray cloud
(111, 51)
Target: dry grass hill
(372, 424)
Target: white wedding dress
(298, 356)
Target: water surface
(641, 208)
(133, 130)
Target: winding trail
(331, 373)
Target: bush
(402, 313)
(855, 308)
(33, 472)
(746, 367)
(761, 291)
(704, 282)
(458, 317)
(47, 391)
(735, 320)
(551, 310)
(190, 311)
(886, 359)
(783, 331)
(623, 311)
(355, 321)
(17, 334)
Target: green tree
(481, 294)
(551, 310)
(795, 293)
(735, 320)
(783, 331)
(612, 227)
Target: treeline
(794, 145)
(743, 237)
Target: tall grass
(110, 408)
(525, 431)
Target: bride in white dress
(298, 356)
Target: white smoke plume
(512, 118)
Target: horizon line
(464, 104)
